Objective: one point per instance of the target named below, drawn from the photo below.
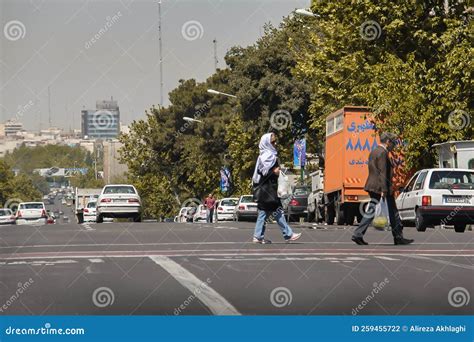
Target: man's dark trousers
(368, 217)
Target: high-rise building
(12, 127)
(103, 122)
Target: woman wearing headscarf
(265, 177)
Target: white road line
(384, 257)
(208, 296)
(236, 243)
(443, 262)
(279, 259)
(96, 261)
(202, 253)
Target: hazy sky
(50, 43)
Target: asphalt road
(202, 269)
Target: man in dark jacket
(379, 186)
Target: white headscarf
(267, 157)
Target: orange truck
(338, 194)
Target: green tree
(409, 60)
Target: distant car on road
(119, 201)
(31, 213)
(7, 216)
(90, 212)
(225, 209)
(438, 196)
(182, 215)
(246, 208)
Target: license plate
(458, 199)
(120, 201)
(252, 208)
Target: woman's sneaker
(294, 237)
(261, 241)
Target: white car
(6, 216)
(31, 213)
(225, 208)
(119, 201)
(246, 208)
(89, 212)
(438, 196)
(201, 213)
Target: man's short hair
(387, 136)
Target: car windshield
(229, 202)
(91, 204)
(119, 190)
(31, 206)
(246, 199)
(452, 180)
(5, 212)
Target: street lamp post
(215, 92)
(307, 13)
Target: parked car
(7, 216)
(182, 215)
(119, 200)
(31, 213)
(438, 196)
(201, 213)
(225, 209)
(90, 211)
(246, 208)
(298, 205)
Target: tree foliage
(408, 60)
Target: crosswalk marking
(207, 295)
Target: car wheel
(420, 222)
(459, 228)
(99, 218)
(137, 218)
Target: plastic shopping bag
(381, 218)
(283, 185)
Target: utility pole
(49, 107)
(215, 54)
(160, 43)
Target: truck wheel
(459, 228)
(349, 213)
(340, 217)
(420, 222)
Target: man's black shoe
(359, 240)
(402, 241)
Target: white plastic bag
(381, 217)
(283, 185)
